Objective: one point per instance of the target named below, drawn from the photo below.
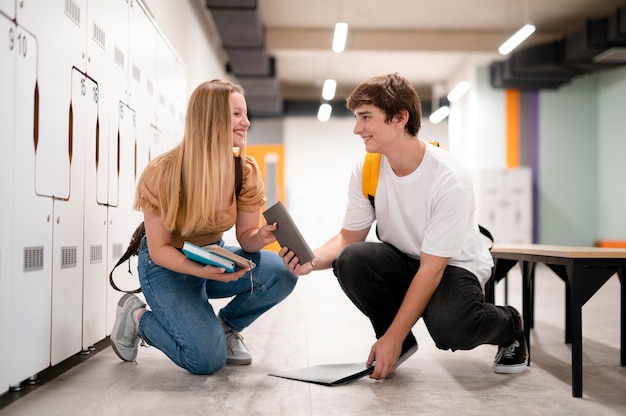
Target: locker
(67, 261)
(506, 204)
(122, 219)
(8, 54)
(72, 148)
(32, 228)
(7, 8)
(142, 47)
(169, 84)
(60, 29)
(107, 64)
(519, 193)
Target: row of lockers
(506, 208)
(90, 92)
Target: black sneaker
(512, 358)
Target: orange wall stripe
(512, 128)
(259, 152)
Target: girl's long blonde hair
(198, 170)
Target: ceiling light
(514, 41)
(339, 39)
(458, 91)
(323, 114)
(439, 115)
(329, 88)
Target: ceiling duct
(250, 62)
(242, 35)
(616, 30)
(599, 44)
(501, 78)
(541, 61)
(263, 95)
(589, 48)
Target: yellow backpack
(371, 170)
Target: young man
(432, 261)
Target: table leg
(527, 282)
(621, 274)
(531, 322)
(575, 328)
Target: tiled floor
(317, 325)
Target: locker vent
(95, 253)
(172, 109)
(136, 74)
(72, 10)
(117, 250)
(150, 88)
(33, 258)
(119, 57)
(68, 257)
(99, 36)
(162, 100)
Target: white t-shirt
(431, 210)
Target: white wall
(187, 26)
(319, 158)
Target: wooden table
(583, 269)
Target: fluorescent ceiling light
(439, 115)
(339, 39)
(514, 41)
(458, 91)
(329, 88)
(323, 114)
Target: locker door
(60, 29)
(142, 47)
(7, 7)
(107, 64)
(68, 227)
(8, 52)
(493, 208)
(122, 219)
(94, 274)
(518, 192)
(165, 86)
(107, 51)
(32, 228)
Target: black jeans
(375, 277)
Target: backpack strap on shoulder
(487, 234)
(371, 169)
(238, 175)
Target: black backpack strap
(133, 249)
(238, 175)
(487, 234)
(135, 240)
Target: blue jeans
(181, 321)
(376, 276)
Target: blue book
(203, 256)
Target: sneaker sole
(239, 361)
(510, 369)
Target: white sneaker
(236, 351)
(125, 333)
